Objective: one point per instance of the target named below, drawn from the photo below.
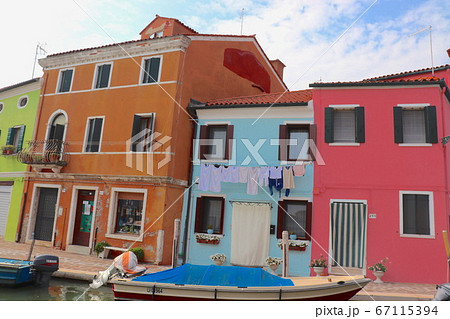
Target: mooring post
(176, 240)
(285, 246)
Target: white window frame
(58, 84)
(344, 107)
(142, 67)
(20, 99)
(430, 211)
(113, 209)
(416, 106)
(86, 132)
(94, 80)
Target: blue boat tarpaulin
(233, 276)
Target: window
(93, 134)
(22, 102)
(216, 141)
(102, 75)
(209, 212)
(416, 213)
(344, 125)
(128, 213)
(65, 80)
(15, 137)
(295, 217)
(1, 107)
(141, 134)
(297, 142)
(151, 67)
(415, 125)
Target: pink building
(384, 188)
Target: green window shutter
(283, 141)
(103, 75)
(20, 138)
(10, 136)
(431, 124)
(360, 125)
(398, 125)
(135, 131)
(94, 133)
(329, 125)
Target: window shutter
(280, 218)
(203, 149)
(104, 76)
(9, 137)
(198, 216)
(154, 69)
(135, 131)
(66, 80)
(329, 125)
(59, 132)
(20, 139)
(229, 142)
(283, 140)
(222, 215)
(431, 124)
(97, 131)
(398, 125)
(360, 125)
(308, 220)
(312, 141)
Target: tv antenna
(39, 51)
(431, 46)
(242, 19)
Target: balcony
(45, 154)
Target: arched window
(57, 128)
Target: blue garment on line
(233, 276)
(277, 183)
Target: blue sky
(302, 33)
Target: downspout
(25, 186)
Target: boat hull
(15, 272)
(335, 291)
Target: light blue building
(237, 142)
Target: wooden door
(83, 218)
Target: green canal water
(59, 290)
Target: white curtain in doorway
(250, 233)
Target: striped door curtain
(348, 234)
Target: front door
(348, 237)
(45, 217)
(83, 218)
(250, 234)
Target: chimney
(448, 52)
(278, 66)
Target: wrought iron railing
(44, 152)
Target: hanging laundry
(216, 178)
(243, 174)
(230, 174)
(299, 170)
(288, 177)
(275, 172)
(205, 176)
(252, 182)
(277, 183)
(263, 178)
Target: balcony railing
(45, 153)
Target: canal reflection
(59, 290)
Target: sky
(320, 40)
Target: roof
(426, 80)
(173, 19)
(293, 97)
(10, 87)
(406, 73)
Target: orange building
(110, 160)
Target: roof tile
(300, 96)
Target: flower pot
(378, 274)
(293, 237)
(218, 262)
(210, 231)
(318, 270)
(273, 267)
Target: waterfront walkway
(82, 267)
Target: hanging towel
(234, 174)
(252, 183)
(288, 177)
(243, 174)
(226, 174)
(205, 176)
(299, 170)
(216, 179)
(275, 172)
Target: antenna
(39, 50)
(242, 19)
(431, 46)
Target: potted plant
(139, 252)
(292, 236)
(100, 248)
(318, 265)
(378, 270)
(273, 263)
(207, 239)
(218, 259)
(8, 149)
(210, 229)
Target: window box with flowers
(8, 149)
(207, 239)
(299, 245)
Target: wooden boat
(169, 285)
(15, 272)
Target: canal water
(59, 290)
